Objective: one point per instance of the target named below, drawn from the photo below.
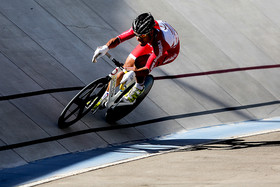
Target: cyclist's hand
(99, 52)
(128, 77)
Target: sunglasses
(141, 35)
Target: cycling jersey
(164, 49)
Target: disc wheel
(117, 112)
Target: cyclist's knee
(120, 74)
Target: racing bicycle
(86, 100)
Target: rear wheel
(83, 102)
(116, 112)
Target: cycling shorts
(166, 58)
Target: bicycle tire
(116, 112)
(83, 102)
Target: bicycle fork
(112, 87)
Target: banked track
(227, 70)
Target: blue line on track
(63, 165)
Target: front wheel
(83, 102)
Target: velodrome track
(227, 70)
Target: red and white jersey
(163, 50)
(169, 33)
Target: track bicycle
(85, 101)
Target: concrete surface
(247, 161)
(49, 44)
(71, 164)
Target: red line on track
(217, 72)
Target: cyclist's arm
(114, 42)
(160, 51)
(153, 60)
(142, 72)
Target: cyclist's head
(143, 24)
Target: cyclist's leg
(139, 63)
(136, 59)
(129, 65)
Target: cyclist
(158, 45)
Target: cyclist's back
(166, 43)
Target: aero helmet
(143, 24)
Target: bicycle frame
(90, 95)
(113, 95)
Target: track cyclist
(158, 45)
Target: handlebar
(117, 63)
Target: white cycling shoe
(132, 95)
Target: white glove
(128, 77)
(99, 52)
